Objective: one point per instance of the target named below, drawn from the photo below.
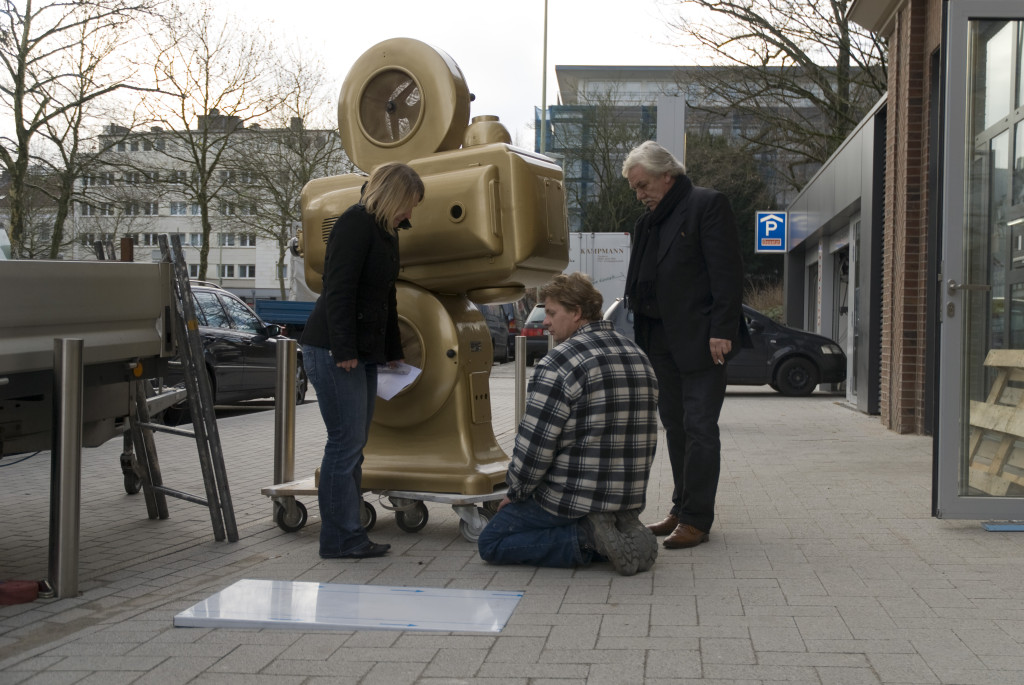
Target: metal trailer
(411, 513)
(84, 346)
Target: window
(227, 270)
(194, 209)
(241, 316)
(106, 209)
(282, 271)
(132, 209)
(87, 209)
(105, 178)
(88, 239)
(87, 181)
(151, 208)
(121, 146)
(193, 271)
(226, 176)
(152, 176)
(147, 145)
(209, 307)
(178, 208)
(247, 209)
(247, 240)
(177, 177)
(147, 239)
(133, 177)
(247, 271)
(135, 146)
(227, 208)
(195, 239)
(226, 239)
(246, 177)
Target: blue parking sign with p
(771, 232)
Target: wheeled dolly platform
(411, 513)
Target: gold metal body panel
(492, 216)
(436, 435)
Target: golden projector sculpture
(492, 223)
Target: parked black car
(239, 348)
(501, 320)
(791, 361)
(536, 335)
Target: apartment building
(147, 182)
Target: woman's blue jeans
(524, 533)
(346, 400)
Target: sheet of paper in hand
(391, 381)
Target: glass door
(980, 441)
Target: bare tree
(593, 138)
(732, 167)
(56, 59)
(37, 213)
(213, 77)
(110, 190)
(70, 143)
(118, 200)
(295, 147)
(793, 76)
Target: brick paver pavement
(824, 566)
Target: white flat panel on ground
(322, 606)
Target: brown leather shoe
(665, 526)
(684, 536)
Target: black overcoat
(699, 283)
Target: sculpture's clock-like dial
(391, 106)
(402, 100)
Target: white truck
(605, 258)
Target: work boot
(617, 547)
(628, 523)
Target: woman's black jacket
(356, 315)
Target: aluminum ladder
(201, 409)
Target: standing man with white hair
(685, 289)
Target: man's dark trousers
(689, 405)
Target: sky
(498, 46)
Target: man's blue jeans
(346, 400)
(524, 533)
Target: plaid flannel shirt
(587, 438)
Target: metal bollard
(284, 411)
(65, 466)
(520, 378)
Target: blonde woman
(353, 329)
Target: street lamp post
(544, 85)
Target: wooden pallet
(1001, 417)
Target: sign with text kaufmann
(771, 232)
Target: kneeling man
(578, 477)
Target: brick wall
(905, 224)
